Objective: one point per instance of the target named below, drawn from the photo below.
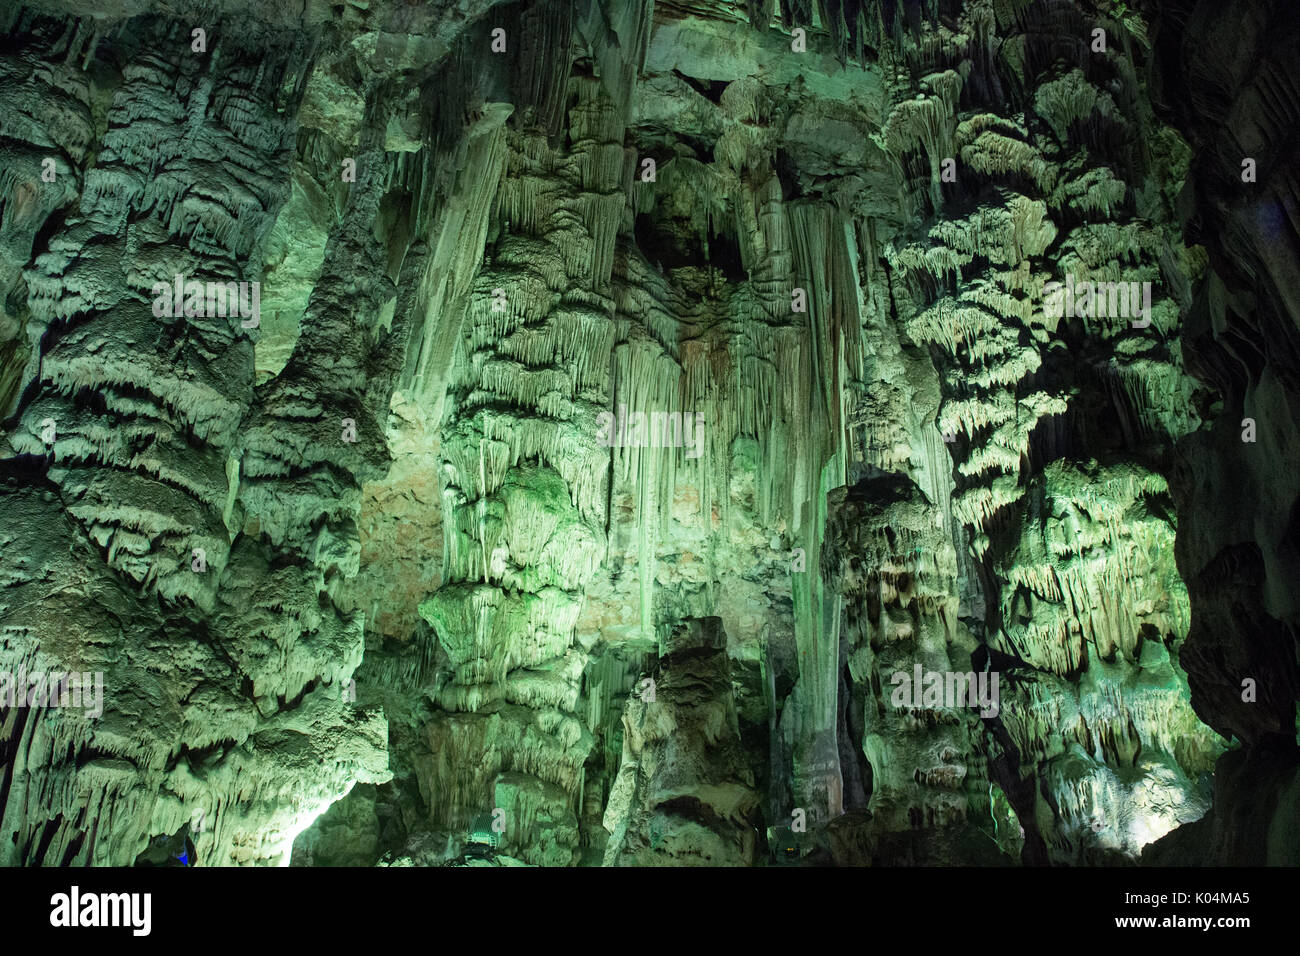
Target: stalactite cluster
(643, 433)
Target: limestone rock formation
(616, 432)
(684, 794)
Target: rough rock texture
(1240, 558)
(684, 795)
(207, 512)
(716, 347)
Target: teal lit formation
(595, 433)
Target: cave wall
(1237, 550)
(455, 581)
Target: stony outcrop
(684, 794)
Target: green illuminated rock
(663, 438)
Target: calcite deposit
(640, 423)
